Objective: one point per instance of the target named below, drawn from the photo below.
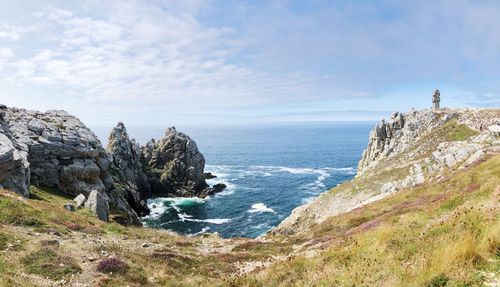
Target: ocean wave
(158, 206)
(187, 217)
(260, 207)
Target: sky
(208, 62)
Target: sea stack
(174, 166)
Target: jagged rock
(209, 175)
(55, 149)
(97, 202)
(80, 200)
(213, 190)
(127, 170)
(174, 165)
(476, 157)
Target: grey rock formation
(14, 165)
(97, 202)
(62, 152)
(209, 175)
(55, 149)
(127, 170)
(175, 165)
(80, 200)
(400, 134)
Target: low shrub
(113, 265)
(439, 281)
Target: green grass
(47, 262)
(4, 240)
(458, 132)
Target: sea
(268, 170)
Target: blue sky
(160, 63)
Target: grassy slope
(439, 232)
(447, 231)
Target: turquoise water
(269, 171)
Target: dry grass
(439, 232)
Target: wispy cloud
(177, 59)
(145, 53)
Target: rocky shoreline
(55, 149)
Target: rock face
(97, 202)
(403, 131)
(396, 135)
(55, 149)
(14, 165)
(175, 165)
(62, 152)
(127, 170)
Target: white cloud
(160, 56)
(152, 55)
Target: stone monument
(436, 98)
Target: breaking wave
(260, 207)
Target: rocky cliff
(14, 165)
(55, 149)
(127, 170)
(175, 166)
(61, 151)
(404, 152)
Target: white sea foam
(308, 199)
(217, 220)
(203, 230)
(158, 205)
(186, 217)
(260, 207)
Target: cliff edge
(406, 151)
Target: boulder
(80, 200)
(97, 202)
(56, 149)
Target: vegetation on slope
(443, 233)
(439, 234)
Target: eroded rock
(175, 165)
(14, 165)
(126, 169)
(97, 202)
